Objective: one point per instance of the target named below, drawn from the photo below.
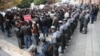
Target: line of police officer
(62, 36)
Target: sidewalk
(2, 53)
(85, 45)
(80, 45)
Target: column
(98, 2)
(80, 1)
(84, 1)
(87, 1)
(93, 1)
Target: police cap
(32, 47)
(53, 27)
(60, 21)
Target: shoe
(9, 36)
(84, 33)
(62, 52)
(67, 44)
(80, 31)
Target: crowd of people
(60, 21)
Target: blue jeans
(36, 37)
(45, 31)
(8, 32)
(92, 19)
(27, 41)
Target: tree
(38, 2)
(25, 4)
(4, 4)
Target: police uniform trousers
(63, 43)
(55, 49)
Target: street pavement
(3, 53)
(80, 44)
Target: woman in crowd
(35, 32)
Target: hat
(32, 47)
(60, 21)
(41, 38)
(53, 27)
(83, 11)
(87, 10)
(64, 19)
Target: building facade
(85, 1)
(90, 1)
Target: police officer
(76, 16)
(63, 38)
(66, 32)
(56, 40)
(86, 21)
(47, 47)
(72, 24)
(59, 24)
(69, 29)
(82, 20)
(33, 51)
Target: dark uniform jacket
(26, 30)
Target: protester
(26, 31)
(44, 25)
(7, 27)
(35, 32)
(2, 22)
(19, 35)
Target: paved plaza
(80, 44)
(3, 53)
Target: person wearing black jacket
(19, 36)
(92, 14)
(7, 27)
(1, 22)
(9, 15)
(96, 12)
(49, 22)
(45, 26)
(26, 31)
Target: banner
(27, 17)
